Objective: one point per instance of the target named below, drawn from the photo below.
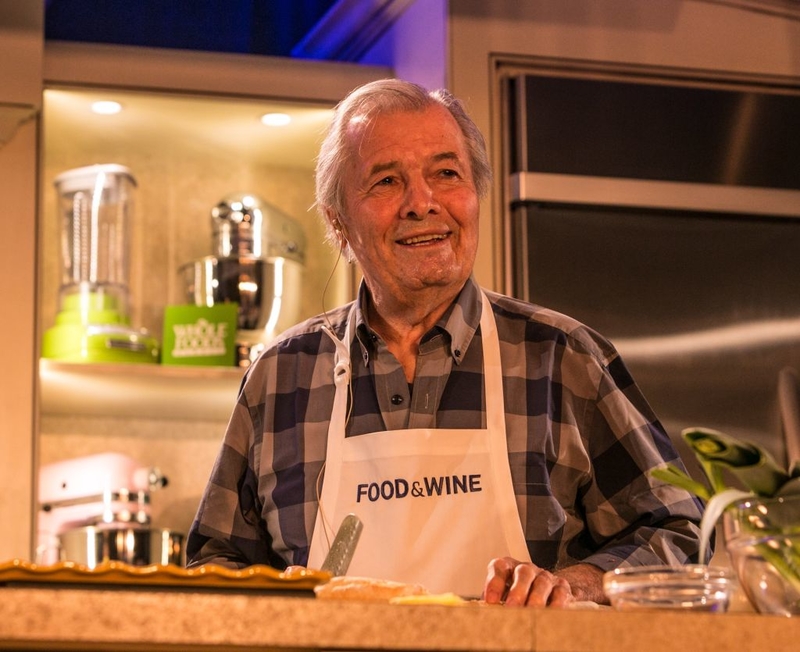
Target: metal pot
(136, 546)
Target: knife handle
(338, 559)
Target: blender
(95, 204)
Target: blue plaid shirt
(581, 437)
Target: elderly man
(468, 430)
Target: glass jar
(762, 538)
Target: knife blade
(338, 559)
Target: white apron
(437, 504)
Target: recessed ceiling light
(276, 119)
(106, 107)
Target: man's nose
(419, 199)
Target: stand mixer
(258, 261)
(107, 492)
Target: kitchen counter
(37, 618)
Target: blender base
(102, 343)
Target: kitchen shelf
(144, 391)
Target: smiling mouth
(422, 239)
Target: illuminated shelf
(144, 391)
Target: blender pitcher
(95, 204)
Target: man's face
(411, 209)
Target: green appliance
(95, 205)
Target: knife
(343, 547)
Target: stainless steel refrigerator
(663, 210)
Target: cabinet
(190, 133)
(21, 47)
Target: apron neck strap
(492, 369)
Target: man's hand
(516, 583)
(586, 581)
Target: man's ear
(337, 226)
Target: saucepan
(144, 546)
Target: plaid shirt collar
(459, 322)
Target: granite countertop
(70, 618)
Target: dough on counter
(447, 599)
(366, 588)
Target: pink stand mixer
(97, 508)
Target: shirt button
(397, 399)
(458, 353)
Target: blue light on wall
(265, 27)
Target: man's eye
(386, 181)
(448, 173)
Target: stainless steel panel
(704, 307)
(663, 210)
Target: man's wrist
(585, 581)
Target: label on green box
(200, 335)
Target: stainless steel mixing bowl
(93, 545)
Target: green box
(200, 335)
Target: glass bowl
(762, 538)
(692, 587)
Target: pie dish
(115, 573)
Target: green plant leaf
(719, 503)
(753, 466)
(671, 474)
